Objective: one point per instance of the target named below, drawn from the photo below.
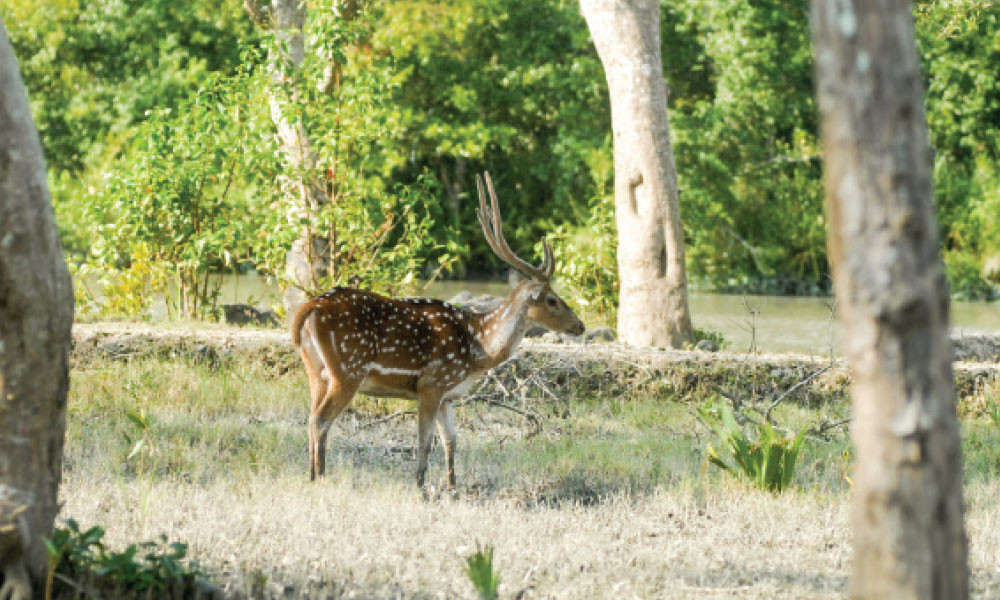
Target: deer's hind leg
(317, 387)
(335, 399)
(333, 392)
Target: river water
(803, 325)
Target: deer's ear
(515, 278)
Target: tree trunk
(653, 304)
(308, 260)
(909, 540)
(36, 314)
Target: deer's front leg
(427, 410)
(446, 431)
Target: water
(768, 323)
(748, 323)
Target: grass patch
(612, 496)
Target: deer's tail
(299, 319)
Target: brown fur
(299, 318)
(417, 348)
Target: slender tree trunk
(36, 313)
(653, 305)
(909, 539)
(308, 260)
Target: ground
(582, 466)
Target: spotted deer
(426, 350)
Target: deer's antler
(493, 230)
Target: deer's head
(531, 283)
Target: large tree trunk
(36, 313)
(909, 540)
(653, 305)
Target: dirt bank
(557, 369)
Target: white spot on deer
(392, 370)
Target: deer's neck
(502, 329)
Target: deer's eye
(551, 302)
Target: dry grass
(610, 499)
(384, 541)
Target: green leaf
(137, 419)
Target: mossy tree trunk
(36, 314)
(653, 299)
(893, 299)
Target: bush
(176, 204)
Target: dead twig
(530, 415)
(527, 414)
(822, 429)
(789, 391)
(545, 389)
(398, 413)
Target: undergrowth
(765, 458)
(81, 565)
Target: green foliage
(514, 87)
(767, 461)
(587, 264)
(993, 408)
(479, 568)
(121, 291)
(129, 95)
(139, 438)
(715, 337)
(384, 233)
(94, 70)
(80, 558)
(957, 42)
(747, 155)
(174, 207)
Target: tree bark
(308, 260)
(653, 301)
(909, 540)
(36, 314)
